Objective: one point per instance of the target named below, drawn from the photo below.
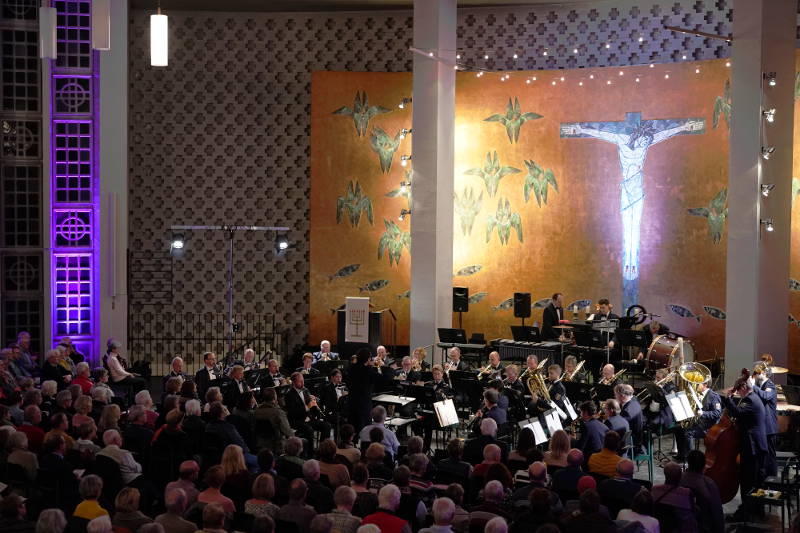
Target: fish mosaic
(469, 270)
(477, 297)
(505, 304)
(714, 312)
(344, 272)
(681, 311)
(373, 286)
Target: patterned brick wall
(222, 134)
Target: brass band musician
(631, 411)
(604, 388)
(454, 361)
(614, 420)
(405, 374)
(274, 376)
(494, 370)
(764, 388)
(307, 369)
(324, 353)
(708, 416)
(570, 364)
(418, 361)
(512, 380)
(439, 383)
(557, 391)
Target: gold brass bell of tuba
(692, 375)
(537, 386)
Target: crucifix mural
(632, 137)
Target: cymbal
(563, 327)
(779, 369)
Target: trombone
(569, 376)
(485, 370)
(612, 379)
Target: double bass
(722, 454)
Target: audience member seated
(217, 425)
(32, 419)
(215, 478)
(214, 517)
(342, 518)
(54, 469)
(53, 371)
(491, 455)
(375, 455)
(674, 505)
(418, 464)
(705, 491)
(137, 436)
(193, 424)
(539, 511)
(145, 401)
(12, 515)
(390, 442)
(591, 440)
(452, 468)
(385, 517)
(337, 474)
(90, 489)
(556, 456)
(263, 492)
(318, 496)
(473, 449)
(573, 506)
(537, 479)
(269, 414)
(17, 444)
(641, 511)
(412, 509)
(443, 511)
(51, 521)
(290, 464)
(83, 410)
(128, 467)
(346, 448)
(187, 477)
(605, 461)
(128, 514)
(101, 524)
(589, 517)
(59, 424)
(296, 511)
(366, 501)
(237, 477)
(82, 379)
(496, 525)
(109, 418)
(172, 521)
(492, 504)
(618, 492)
(565, 481)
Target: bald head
(538, 472)
(625, 469)
(491, 453)
(575, 457)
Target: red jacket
(35, 437)
(387, 522)
(85, 383)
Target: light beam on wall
(47, 32)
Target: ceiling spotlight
(621, 73)
(683, 56)
(458, 56)
(515, 56)
(403, 214)
(608, 45)
(486, 56)
(769, 114)
(574, 50)
(534, 78)
(608, 82)
(281, 243)
(404, 132)
(727, 63)
(430, 54)
(766, 188)
(767, 151)
(768, 224)
(553, 82)
(545, 52)
(697, 71)
(177, 241)
(772, 79)
(652, 65)
(404, 102)
(666, 76)
(562, 78)
(527, 81)
(641, 39)
(591, 76)
(404, 159)
(580, 83)
(637, 80)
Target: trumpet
(448, 367)
(416, 365)
(612, 379)
(485, 370)
(325, 357)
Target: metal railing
(159, 337)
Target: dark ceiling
(317, 5)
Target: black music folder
(452, 336)
(525, 333)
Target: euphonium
(692, 375)
(537, 386)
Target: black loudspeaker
(460, 299)
(522, 304)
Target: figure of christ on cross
(632, 137)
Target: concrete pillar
(114, 181)
(757, 303)
(433, 160)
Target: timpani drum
(663, 352)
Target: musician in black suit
(303, 412)
(604, 311)
(614, 421)
(709, 415)
(594, 431)
(207, 374)
(490, 408)
(405, 374)
(655, 409)
(236, 387)
(551, 316)
(751, 421)
(651, 331)
(454, 361)
(604, 388)
(273, 377)
(632, 412)
(570, 365)
(442, 390)
(333, 396)
(556, 389)
(512, 380)
(764, 388)
(494, 370)
(362, 377)
(307, 369)
(176, 371)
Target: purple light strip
(74, 283)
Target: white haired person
(443, 511)
(118, 368)
(144, 399)
(385, 517)
(51, 521)
(175, 371)
(325, 353)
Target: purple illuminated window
(74, 178)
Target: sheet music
(446, 413)
(679, 405)
(570, 410)
(561, 414)
(553, 421)
(538, 432)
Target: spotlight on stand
(771, 78)
(769, 114)
(767, 151)
(281, 244)
(404, 102)
(403, 214)
(768, 225)
(766, 188)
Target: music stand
(452, 336)
(631, 337)
(325, 367)
(424, 395)
(590, 338)
(578, 391)
(603, 392)
(525, 333)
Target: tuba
(537, 386)
(692, 375)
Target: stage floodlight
(178, 242)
